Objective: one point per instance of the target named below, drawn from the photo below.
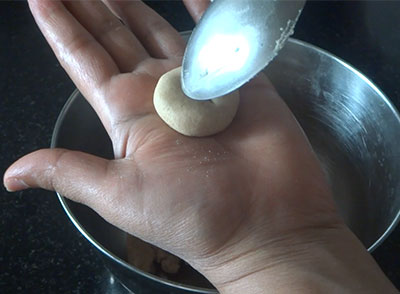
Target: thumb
(68, 172)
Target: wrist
(328, 261)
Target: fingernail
(14, 184)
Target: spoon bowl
(235, 40)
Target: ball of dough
(191, 117)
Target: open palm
(258, 181)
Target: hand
(253, 195)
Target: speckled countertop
(40, 249)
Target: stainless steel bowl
(352, 126)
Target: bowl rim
(107, 253)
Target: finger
(78, 176)
(159, 38)
(115, 9)
(196, 8)
(56, 169)
(85, 60)
(108, 30)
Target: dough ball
(150, 258)
(170, 264)
(141, 254)
(191, 117)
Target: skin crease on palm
(244, 207)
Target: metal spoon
(234, 40)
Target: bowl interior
(352, 127)
(354, 130)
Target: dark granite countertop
(40, 249)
